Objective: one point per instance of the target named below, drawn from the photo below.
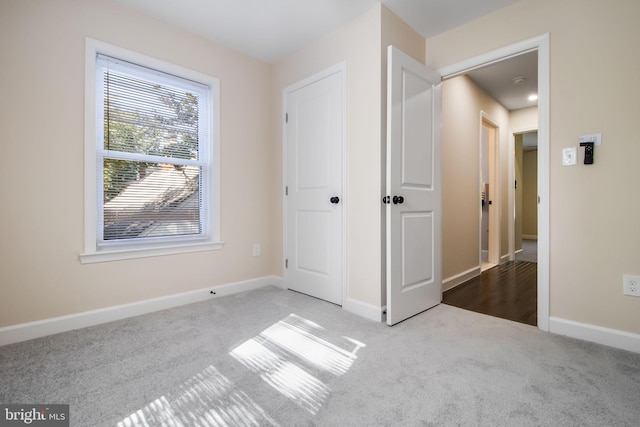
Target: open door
(414, 187)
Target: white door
(413, 187)
(314, 199)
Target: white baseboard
(41, 328)
(364, 309)
(458, 279)
(597, 334)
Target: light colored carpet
(275, 357)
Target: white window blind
(152, 154)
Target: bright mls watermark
(34, 415)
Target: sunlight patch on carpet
(207, 399)
(291, 355)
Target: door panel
(313, 227)
(413, 184)
(417, 234)
(314, 141)
(416, 123)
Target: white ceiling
(270, 30)
(497, 80)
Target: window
(151, 157)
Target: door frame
(512, 190)
(541, 45)
(340, 68)
(495, 178)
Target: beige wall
(362, 44)
(357, 43)
(462, 104)
(398, 33)
(41, 116)
(585, 268)
(524, 119)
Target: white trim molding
(41, 328)
(209, 239)
(87, 258)
(505, 258)
(458, 279)
(597, 334)
(366, 310)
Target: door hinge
(286, 117)
(286, 190)
(286, 263)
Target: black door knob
(398, 200)
(335, 200)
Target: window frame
(209, 239)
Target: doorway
(540, 46)
(489, 217)
(526, 191)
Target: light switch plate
(596, 138)
(569, 156)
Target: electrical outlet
(256, 249)
(631, 285)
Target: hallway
(508, 291)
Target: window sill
(122, 254)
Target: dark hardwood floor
(508, 291)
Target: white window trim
(93, 253)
